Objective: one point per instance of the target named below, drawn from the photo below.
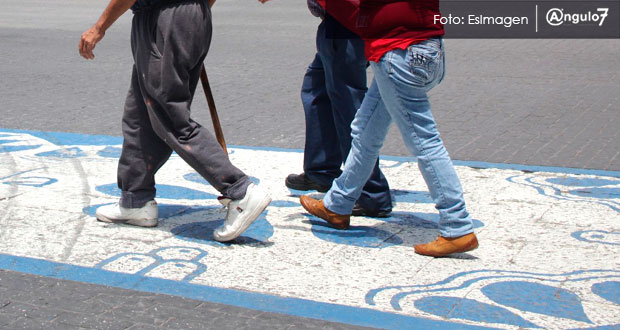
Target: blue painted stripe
(536, 168)
(70, 139)
(60, 138)
(251, 300)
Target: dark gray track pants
(169, 46)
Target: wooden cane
(217, 127)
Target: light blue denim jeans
(398, 92)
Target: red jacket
(387, 24)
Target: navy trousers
(332, 91)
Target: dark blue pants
(332, 91)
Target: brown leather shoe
(444, 246)
(316, 207)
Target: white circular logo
(554, 16)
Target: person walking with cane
(169, 42)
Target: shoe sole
(291, 185)
(441, 255)
(133, 222)
(247, 221)
(341, 226)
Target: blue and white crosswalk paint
(550, 240)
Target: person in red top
(387, 24)
(332, 91)
(405, 48)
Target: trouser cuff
(132, 200)
(237, 190)
(338, 205)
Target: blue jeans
(333, 89)
(398, 92)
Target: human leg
(369, 129)
(143, 152)
(322, 157)
(142, 155)
(344, 62)
(406, 99)
(403, 78)
(169, 55)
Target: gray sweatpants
(169, 45)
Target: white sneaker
(145, 216)
(241, 213)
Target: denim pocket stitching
(420, 60)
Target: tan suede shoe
(316, 207)
(444, 246)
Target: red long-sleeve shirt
(386, 25)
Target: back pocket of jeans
(424, 62)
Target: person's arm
(92, 36)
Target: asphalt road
(535, 102)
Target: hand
(89, 40)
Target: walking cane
(219, 135)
